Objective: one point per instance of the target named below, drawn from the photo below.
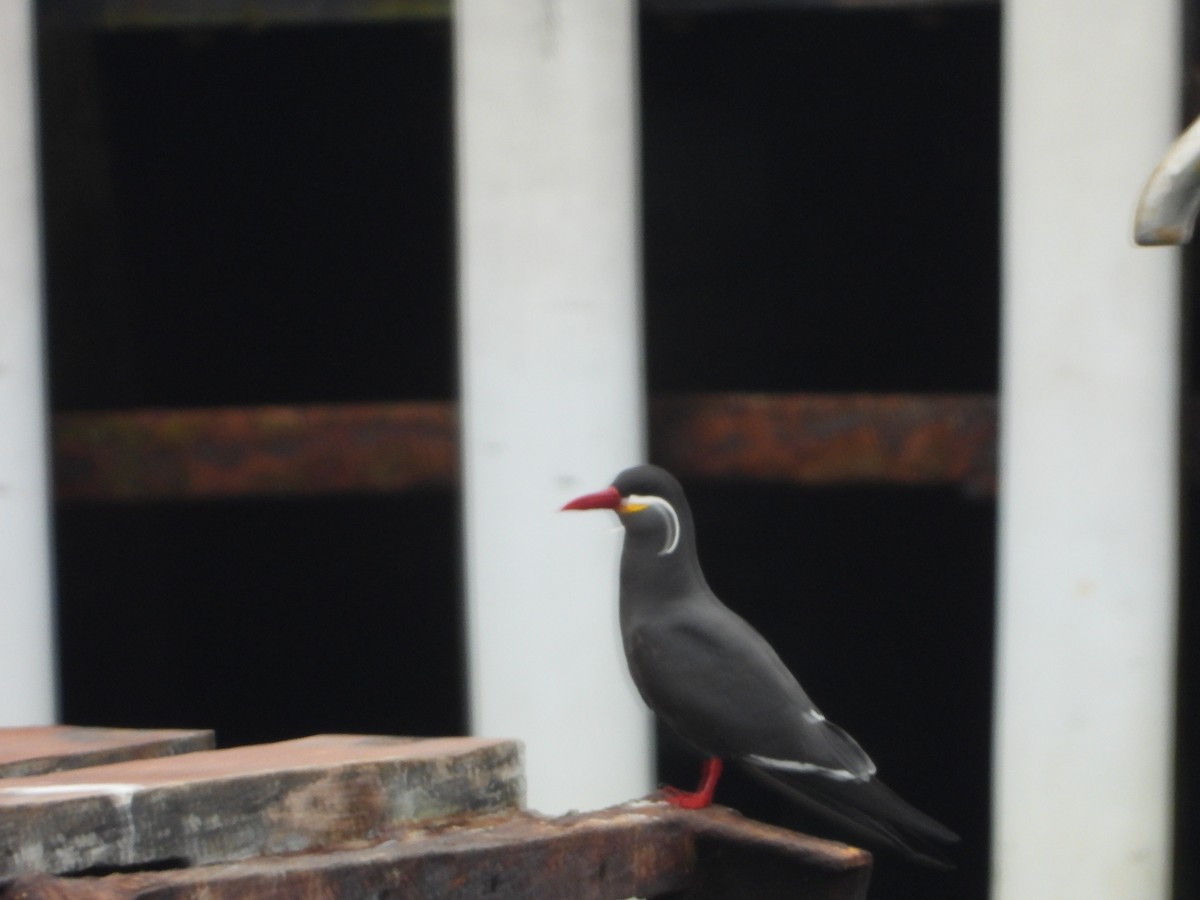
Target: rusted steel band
(119, 15)
(821, 439)
(288, 450)
(162, 454)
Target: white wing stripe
(791, 765)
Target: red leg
(703, 795)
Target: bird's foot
(703, 795)
(685, 799)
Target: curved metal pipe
(1166, 212)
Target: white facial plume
(636, 502)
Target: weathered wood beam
(37, 750)
(638, 849)
(816, 439)
(219, 805)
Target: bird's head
(650, 503)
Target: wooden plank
(37, 750)
(739, 858)
(218, 805)
(638, 849)
(288, 450)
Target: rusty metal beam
(816, 439)
(144, 14)
(710, 6)
(281, 450)
(118, 15)
(638, 849)
(824, 439)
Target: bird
(721, 687)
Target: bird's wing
(718, 683)
(868, 811)
(721, 686)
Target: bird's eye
(639, 502)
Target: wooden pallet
(162, 816)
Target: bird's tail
(871, 812)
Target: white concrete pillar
(551, 381)
(27, 691)
(1089, 473)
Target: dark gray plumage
(718, 684)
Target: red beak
(609, 498)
